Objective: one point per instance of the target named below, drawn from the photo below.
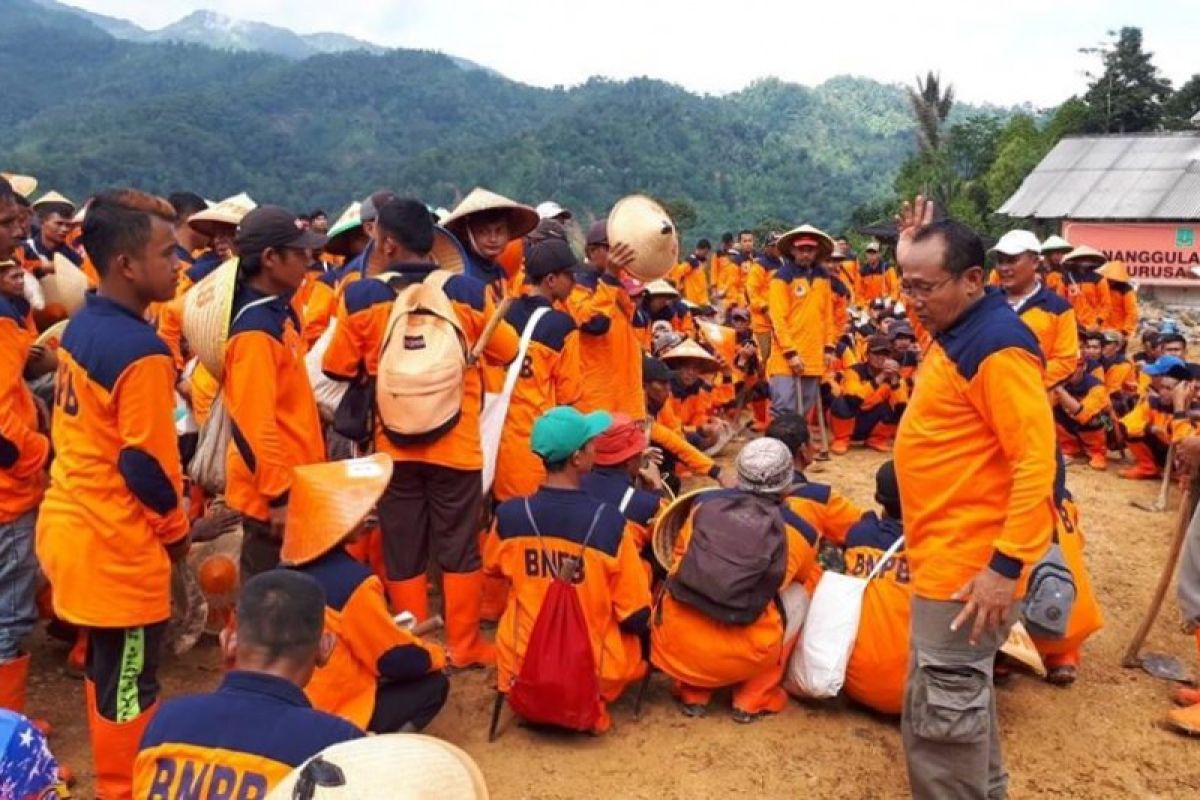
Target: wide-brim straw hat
(1115, 271)
(660, 288)
(448, 252)
(667, 527)
(207, 308)
(396, 766)
(24, 185)
(521, 218)
(1056, 244)
(347, 224)
(723, 340)
(66, 286)
(227, 213)
(824, 242)
(52, 336)
(1085, 254)
(1019, 646)
(327, 502)
(53, 198)
(644, 225)
(690, 352)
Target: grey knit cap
(765, 467)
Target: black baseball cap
(548, 257)
(369, 210)
(274, 226)
(598, 233)
(879, 344)
(655, 370)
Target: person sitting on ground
(1120, 376)
(258, 725)
(717, 624)
(878, 666)
(666, 429)
(661, 303)
(1122, 298)
(1080, 406)
(1151, 348)
(872, 400)
(749, 368)
(380, 677)
(1159, 419)
(692, 393)
(532, 536)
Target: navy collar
(247, 682)
(100, 304)
(993, 299)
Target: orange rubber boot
(410, 595)
(881, 438)
(841, 430)
(77, 658)
(1067, 443)
(1144, 467)
(114, 748)
(1096, 443)
(13, 677)
(463, 597)
(764, 694)
(761, 409)
(1186, 695)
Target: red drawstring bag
(557, 684)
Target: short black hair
(727, 236)
(964, 248)
(1151, 337)
(408, 222)
(118, 222)
(317, 212)
(745, 231)
(7, 193)
(1172, 338)
(282, 613)
(789, 428)
(304, 218)
(186, 204)
(704, 244)
(553, 467)
(1092, 336)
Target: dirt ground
(1101, 738)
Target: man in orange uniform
(872, 400)
(550, 375)
(609, 345)
(731, 278)
(257, 726)
(112, 520)
(272, 412)
(1087, 289)
(800, 300)
(1159, 419)
(618, 477)
(1122, 299)
(1120, 375)
(1051, 318)
(435, 492)
(689, 275)
(846, 267)
(561, 520)
(54, 214)
(1053, 251)
(873, 275)
(758, 284)
(666, 428)
(24, 450)
(878, 666)
(1079, 407)
(703, 652)
(975, 458)
(379, 676)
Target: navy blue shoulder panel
(1049, 301)
(871, 531)
(468, 291)
(104, 340)
(339, 575)
(988, 327)
(816, 492)
(786, 272)
(11, 308)
(564, 515)
(266, 317)
(552, 328)
(587, 278)
(202, 266)
(610, 487)
(681, 392)
(330, 277)
(361, 295)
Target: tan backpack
(422, 364)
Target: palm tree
(931, 106)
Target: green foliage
(1183, 105)
(930, 106)
(1128, 96)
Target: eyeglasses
(923, 289)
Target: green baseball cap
(562, 431)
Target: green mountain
(324, 129)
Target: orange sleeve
(377, 641)
(502, 348)
(31, 447)
(1093, 403)
(871, 395)
(1007, 393)
(592, 311)
(568, 372)
(149, 456)
(1131, 314)
(170, 328)
(1137, 420)
(1180, 429)
(756, 288)
(318, 311)
(840, 515)
(779, 303)
(1103, 302)
(629, 586)
(678, 446)
(832, 331)
(1060, 364)
(343, 358)
(251, 399)
(492, 553)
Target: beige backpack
(422, 364)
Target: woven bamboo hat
(327, 501)
(207, 309)
(1115, 271)
(690, 352)
(521, 218)
(52, 336)
(722, 339)
(819, 238)
(228, 212)
(660, 288)
(347, 224)
(24, 185)
(1085, 255)
(668, 525)
(1056, 243)
(1019, 645)
(396, 766)
(644, 225)
(66, 286)
(447, 252)
(53, 198)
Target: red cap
(623, 440)
(811, 240)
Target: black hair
(726, 237)
(7, 193)
(317, 212)
(407, 221)
(887, 490)
(553, 467)
(1093, 336)
(281, 612)
(1151, 337)
(789, 428)
(186, 204)
(745, 231)
(304, 218)
(704, 244)
(964, 248)
(46, 210)
(118, 222)
(1172, 338)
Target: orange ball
(218, 575)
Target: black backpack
(736, 559)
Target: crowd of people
(415, 418)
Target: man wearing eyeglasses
(976, 461)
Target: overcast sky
(1005, 52)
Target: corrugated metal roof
(1139, 176)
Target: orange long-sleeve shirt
(114, 499)
(1053, 323)
(758, 285)
(1092, 397)
(801, 307)
(610, 345)
(23, 449)
(975, 453)
(692, 282)
(1088, 294)
(1122, 309)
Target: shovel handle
(489, 329)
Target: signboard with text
(1156, 253)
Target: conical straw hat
(1085, 253)
(66, 286)
(447, 252)
(1020, 647)
(521, 218)
(207, 308)
(660, 288)
(667, 526)
(53, 198)
(327, 501)
(644, 225)
(227, 212)
(52, 336)
(346, 224)
(396, 766)
(690, 351)
(1055, 243)
(722, 339)
(824, 243)
(24, 185)
(1115, 271)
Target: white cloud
(1006, 53)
